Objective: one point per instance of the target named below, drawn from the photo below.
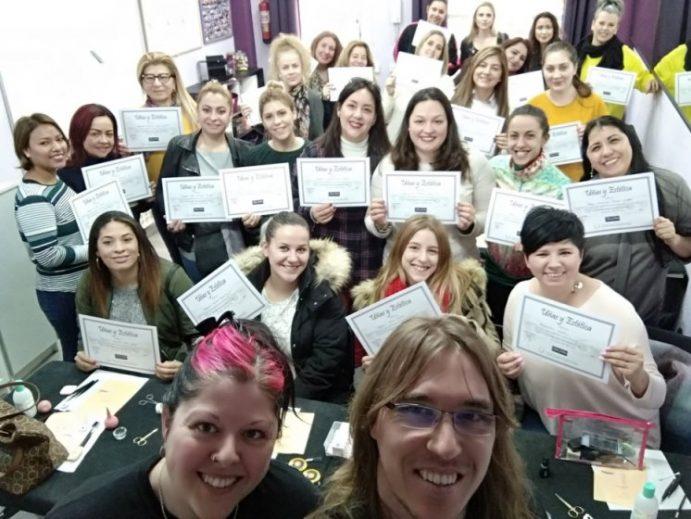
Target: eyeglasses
(465, 421)
(150, 78)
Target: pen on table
(681, 507)
(671, 487)
(80, 391)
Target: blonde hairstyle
(474, 30)
(464, 91)
(275, 91)
(396, 368)
(285, 43)
(214, 87)
(611, 7)
(345, 55)
(337, 51)
(444, 53)
(181, 97)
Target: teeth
(439, 479)
(217, 482)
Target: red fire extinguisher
(264, 21)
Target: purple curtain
(673, 28)
(241, 15)
(284, 17)
(419, 10)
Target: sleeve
(376, 192)
(600, 107)
(634, 63)
(483, 181)
(37, 223)
(405, 41)
(453, 55)
(388, 104)
(83, 301)
(507, 326)
(308, 152)
(169, 168)
(316, 114)
(466, 49)
(669, 65)
(680, 212)
(179, 284)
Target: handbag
(29, 452)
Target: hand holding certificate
(614, 86)
(373, 324)
(417, 72)
(425, 27)
(339, 77)
(193, 199)
(523, 87)
(92, 203)
(682, 90)
(150, 129)
(564, 336)
(341, 182)
(129, 171)
(564, 146)
(410, 193)
(477, 130)
(256, 189)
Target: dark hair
(23, 129)
(638, 162)
(529, 51)
(531, 111)
(582, 89)
(148, 277)
(378, 143)
(281, 219)
(451, 156)
(555, 30)
(319, 37)
(544, 224)
(79, 129)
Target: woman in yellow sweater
(567, 99)
(678, 60)
(603, 49)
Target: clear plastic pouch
(600, 439)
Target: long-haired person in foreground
(412, 460)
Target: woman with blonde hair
(484, 85)
(356, 54)
(482, 32)
(289, 63)
(427, 368)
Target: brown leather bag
(29, 452)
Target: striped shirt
(47, 226)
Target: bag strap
(29, 385)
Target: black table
(573, 481)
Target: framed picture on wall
(216, 22)
(171, 26)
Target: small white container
(23, 400)
(646, 503)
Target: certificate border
(284, 166)
(560, 162)
(351, 319)
(649, 178)
(524, 76)
(677, 78)
(176, 109)
(498, 123)
(138, 157)
(165, 182)
(151, 330)
(543, 301)
(76, 198)
(230, 264)
(426, 174)
(608, 99)
(367, 180)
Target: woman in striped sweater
(47, 225)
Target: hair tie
(210, 324)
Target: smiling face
(544, 30)
(288, 252)
(428, 128)
(436, 13)
(159, 91)
(605, 25)
(526, 139)
(484, 18)
(278, 120)
(433, 47)
(325, 51)
(358, 57)
(118, 248)
(233, 422)
(558, 71)
(289, 68)
(100, 140)
(516, 56)
(214, 114)
(434, 472)
(47, 148)
(487, 74)
(357, 115)
(420, 257)
(555, 265)
(609, 151)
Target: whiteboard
(171, 26)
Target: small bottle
(646, 504)
(23, 400)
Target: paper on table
(617, 486)
(70, 429)
(294, 434)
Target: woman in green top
(126, 281)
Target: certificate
(129, 171)
(251, 99)
(341, 182)
(417, 72)
(424, 28)
(256, 189)
(373, 324)
(410, 193)
(193, 199)
(682, 90)
(613, 86)
(523, 87)
(507, 210)
(477, 130)
(92, 203)
(226, 288)
(339, 77)
(564, 336)
(614, 205)
(114, 344)
(564, 145)
(150, 129)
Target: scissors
(574, 511)
(143, 440)
(148, 399)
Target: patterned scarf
(302, 123)
(525, 173)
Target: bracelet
(383, 230)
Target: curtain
(419, 10)
(284, 17)
(674, 26)
(241, 15)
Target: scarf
(612, 53)
(398, 284)
(302, 106)
(687, 60)
(525, 173)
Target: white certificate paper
(506, 211)
(129, 171)
(251, 98)
(373, 324)
(341, 182)
(417, 72)
(564, 336)
(193, 199)
(613, 86)
(339, 77)
(256, 189)
(92, 203)
(477, 130)
(410, 193)
(114, 344)
(226, 288)
(150, 129)
(563, 146)
(682, 90)
(614, 205)
(424, 27)
(523, 87)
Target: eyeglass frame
(154, 77)
(395, 406)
